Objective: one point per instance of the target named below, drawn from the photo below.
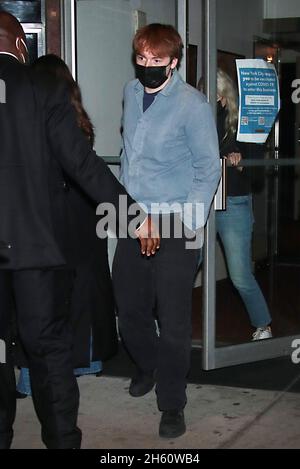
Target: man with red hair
(170, 163)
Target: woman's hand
(234, 159)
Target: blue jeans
(23, 384)
(235, 230)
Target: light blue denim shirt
(170, 152)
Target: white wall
(104, 29)
(281, 8)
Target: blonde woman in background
(235, 224)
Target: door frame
(212, 356)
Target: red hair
(160, 39)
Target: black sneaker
(141, 384)
(172, 424)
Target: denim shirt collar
(168, 89)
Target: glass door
(252, 265)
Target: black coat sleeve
(78, 160)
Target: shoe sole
(133, 394)
(172, 435)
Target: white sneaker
(262, 333)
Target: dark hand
(149, 237)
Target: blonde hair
(227, 89)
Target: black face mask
(152, 77)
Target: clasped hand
(149, 237)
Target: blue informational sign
(259, 99)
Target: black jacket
(37, 122)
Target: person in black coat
(37, 125)
(92, 311)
